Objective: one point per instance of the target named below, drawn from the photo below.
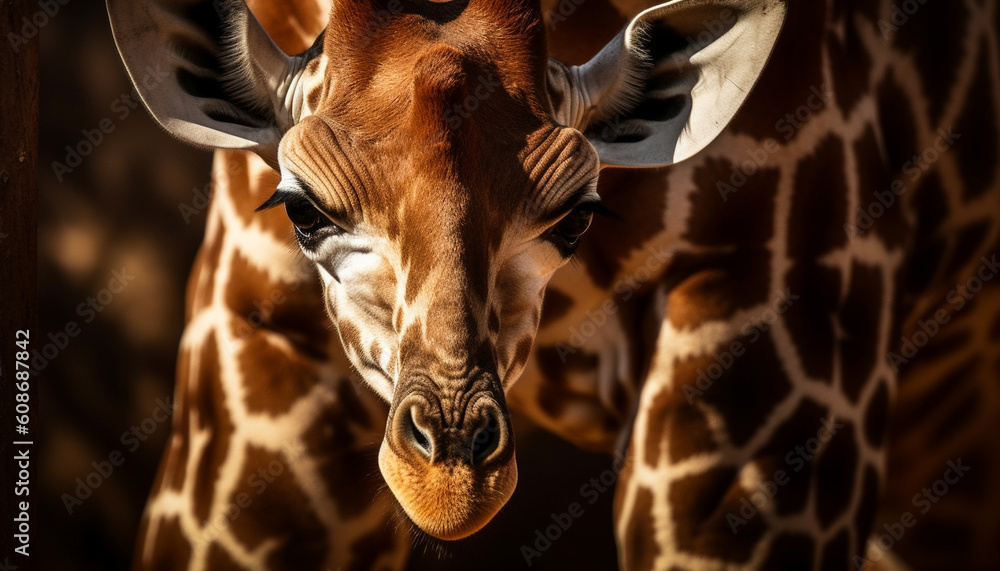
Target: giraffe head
(438, 168)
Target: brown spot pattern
(313, 97)
(621, 190)
(876, 416)
(347, 463)
(171, 550)
(783, 452)
(275, 507)
(718, 287)
(860, 320)
(937, 62)
(835, 470)
(876, 197)
(276, 378)
(896, 111)
(930, 203)
(927, 253)
(819, 209)
(791, 551)
(851, 65)
(685, 426)
(867, 508)
(177, 457)
(213, 416)
(809, 319)
(836, 552)
(744, 217)
(744, 394)
(701, 504)
(290, 308)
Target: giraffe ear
(208, 72)
(668, 84)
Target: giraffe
(736, 334)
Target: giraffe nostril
(418, 436)
(486, 439)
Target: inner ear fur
(207, 71)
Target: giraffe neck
(267, 404)
(781, 303)
(266, 401)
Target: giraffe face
(435, 240)
(422, 264)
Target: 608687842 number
(22, 374)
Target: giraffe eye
(307, 218)
(573, 225)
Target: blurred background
(108, 203)
(121, 215)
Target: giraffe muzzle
(450, 469)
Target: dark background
(119, 210)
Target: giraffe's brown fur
(715, 285)
(948, 402)
(767, 276)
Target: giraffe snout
(482, 432)
(451, 469)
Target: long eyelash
(600, 209)
(280, 196)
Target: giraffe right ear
(209, 73)
(670, 82)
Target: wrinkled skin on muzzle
(449, 458)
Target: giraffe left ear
(208, 72)
(670, 82)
